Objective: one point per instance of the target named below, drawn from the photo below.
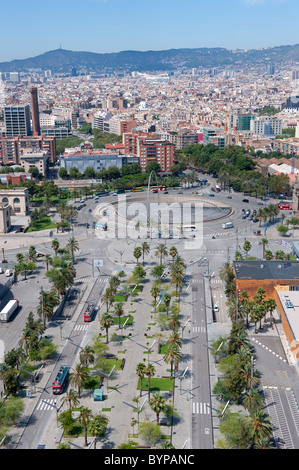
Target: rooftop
(263, 269)
(290, 303)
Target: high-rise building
(17, 120)
(35, 112)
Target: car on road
(260, 203)
(82, 200)
(229, 197)
(194, 192)
(212, 195)
(180, 192)
(165, 192)
(245, 200)
(199, 194)
(114, 194)
(128, 195)
(39, 255)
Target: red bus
(284, 206)
(155, 189)
(89, 313)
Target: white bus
(228, 225)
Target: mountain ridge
(62, 60)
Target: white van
(228, 225)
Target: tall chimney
(35, 112)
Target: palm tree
(55, 245)
(264, 242)
(84, 418)
(47, 302)
(174, 340)
(173, 252)
(155, 292)
(119, 311)
(250, 380)
(247, 247)
(145, 248)
(86, 356)
(47, 260)
(97, 426)
(157, 404)
(172, 357)
(73, 246)
(252, 401)
(137, 253)
(260, 426)
(167, 300)
(271, 307)
(174, 323)
(79, 377)
(71, 399)
(140, 370)
(106, 322)
(161, 251)
(108, 297)
(149, 372)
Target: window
(16, 200)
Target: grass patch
(163, 348)
(158, 384)
(119, 298)
(41, 224)
(122, 320)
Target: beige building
(17, 199)
(5, 222)
(40, 160)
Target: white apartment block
(266, 125)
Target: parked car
(8, 272)
(212, 195)
(1, 271)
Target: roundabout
(154, 215)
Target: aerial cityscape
(149, 232)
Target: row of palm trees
(240, 383)
(93, 425)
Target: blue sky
(32, 27)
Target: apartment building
(182, 139)
(17, 120)
(266, 125)
(160, 151)
(287, 146)
(149, 147)
(12, 148)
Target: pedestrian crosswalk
(199, 329)
(201, 408)
(47, 405)
(81, 327)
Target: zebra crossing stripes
(81, 327)
(198, 329)
(45, 405)
(201, 408)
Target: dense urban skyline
(113, 25)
